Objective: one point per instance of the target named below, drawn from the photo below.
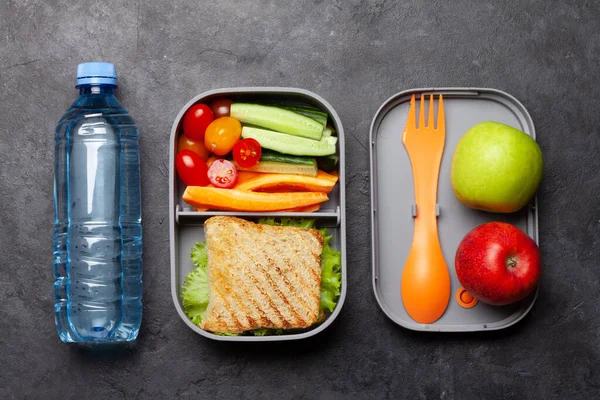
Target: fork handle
(426, 280)
(425, 179)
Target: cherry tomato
(247, 152)
(211, 159)
(222, 174)
(220, 107)
(222, 134)
(195, 121)
(191, 168)
(193, 145)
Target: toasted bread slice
(261, 276)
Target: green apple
(496, 168)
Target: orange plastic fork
(425, 281)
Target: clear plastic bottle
(97, 215)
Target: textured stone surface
(355, 54)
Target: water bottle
(97, 215)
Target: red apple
(498, 263)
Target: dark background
(355, 54)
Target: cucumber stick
(304, 109)
(277, 119)
(283, 168)
(313, 113)
(272, 156)
(330, 139)
(329, 163)
(289, 144)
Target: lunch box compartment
(190, 233)
(271, 95)
(392, 200)
(186, 225)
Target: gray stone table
(355, 54)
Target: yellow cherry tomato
(222, 134)
(197, 146)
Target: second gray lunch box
(392, 199)
(186, 225)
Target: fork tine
(431, 110)
(422, 112)
(411, 121)
(441, 122)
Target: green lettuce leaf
(195, 290)
(227, 334)
(199, 255)
(266, 332)
(331, 276)
(286, 221)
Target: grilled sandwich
(261, 276)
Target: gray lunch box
(392, 199)
(186, 225)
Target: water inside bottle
(98, 264)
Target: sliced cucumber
(330, 139)
(329, 163)
(327, 132)
(309, 112)
(291, 105)
(277, 119)
(289, 144)
(284, 168)
(272, 156)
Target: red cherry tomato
(195, 121)
(247, 152)
(191, 168)
(222, 174)
(221, 107)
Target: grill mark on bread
(306, 288)
(306, 310)
(255, 310)
(301, 289)
(291, 289)
(284, 279)
(264, 319)
(284, 309)
(314, 274)
(233, 311)
(267, 285)
(267, 298)
(264, 287)
(216, 294)
(286, 321)
(220, 323)
(290, 272)
(275, 270)
(283, 276)
(279, 283)
(245, 310)
(315, 255)
(271, 272)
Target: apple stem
(511, 262)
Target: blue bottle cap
(95, 73)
